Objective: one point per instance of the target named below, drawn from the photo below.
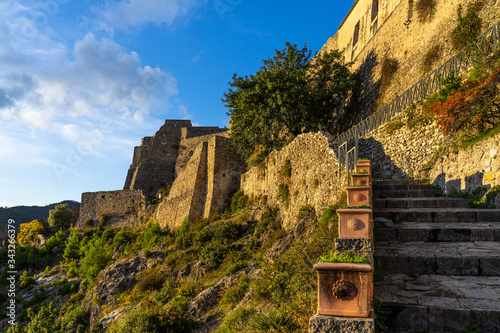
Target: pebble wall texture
(313, 177)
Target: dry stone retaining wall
(403, 152)
(314, 178)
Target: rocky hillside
(239, 271)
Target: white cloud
(126, 13)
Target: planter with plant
(361, 179)
(358, 195)
(355, 222)
(364, 161)
(364, 167)
(345, 286)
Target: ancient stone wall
(124, 208)
(186, 196)
(402, 47)
(225, 168)
(205, 184)
(155, 163)
(313, 178)
(473, 167)
(400, 151)
(187, 147)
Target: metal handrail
(457, 64)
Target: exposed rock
(113, 280)
(203, 301)
(185, 271)
(280, 246)
(115, 315)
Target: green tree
(290, 94)
(60, 216)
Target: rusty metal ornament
(354, 224)
(343, 290)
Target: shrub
(470, 108)
(60, 216)
(213, 254)
(123, 236)
(28, 232)
(167, 291)
(96, 256)
(303, 212)
(89, 223)
(283, 193)
(27, 281)
(393, 126)
(238, 201)
(468, 26)
(150, 279)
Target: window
(374, 9)
(356, 35)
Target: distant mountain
(24, 214)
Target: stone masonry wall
(403, 152)
(408, 46)
(475, 166)
(187, 147)
(406, 152)
(225, 167)
(124, 208)
(188, 190)
(314, 176)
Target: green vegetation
(468, 26)
(60, 216)
(265, 113)
(343, 258)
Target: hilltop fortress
(388, 43)
(197, 166)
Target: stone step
(457, 258)
(440, 232)
(401, 187)
(406, 194)
(441, 202)
(401, 181)
(438, 215)
(437, 303)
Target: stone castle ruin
(199, 166)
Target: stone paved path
(441, 260)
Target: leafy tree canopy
(290, 94)
(60, 216)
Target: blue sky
(81, 82)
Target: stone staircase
(440, 259)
